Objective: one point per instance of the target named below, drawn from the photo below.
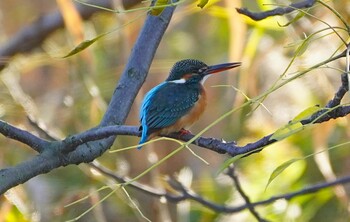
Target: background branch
(185, 194)
(23, 136)
(277, 11)
(33, 35)
(87, 146)
(232, 174)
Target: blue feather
(144, 112)
(164, 105)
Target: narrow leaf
(202, 3)
(306, 113)
(83, 45)
(159, 7)
(228, 162)
(287, 130)
(280, 169)
(302, 48)
(296, 18)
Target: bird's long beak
(221, 67)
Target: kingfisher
(179, 101)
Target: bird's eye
(201, 70)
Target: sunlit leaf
(158, 7)
(287, 130)
(302, 48)
(228, 162)
(296, 18)
(202, 3)
(280, 169)
(306, 113)
(83, 45)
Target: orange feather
(188, 119)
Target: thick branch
(213, 144)
(131, 80)
(71, 143)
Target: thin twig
(338, 96)
(186, 194)
(46, 134)
(231, 172)
(23, 136)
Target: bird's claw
(183, 132)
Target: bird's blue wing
(165, 104)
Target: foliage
(283, 73)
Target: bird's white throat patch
(183, 80)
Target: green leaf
(296, 18)
(295, 125)
(202, 3)
(306, 113)
(287, 130)
(280, 169)
(83, 45)
(159, 7)
(302, 48)
(228, 162)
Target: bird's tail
(144, 138)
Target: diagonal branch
(129, 84)
(23, 136)
(277, 11)
(231, 172)
(33, 35)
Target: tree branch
(23, 136)
(70, 143)
(257, 16)
(130, 82)
(33, 35)
(232, 174)
(185, 194)
(52, 157)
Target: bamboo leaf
(202, 3)
(296, 18)
(83, 45)
(287, 130)
(306, 113)
(280, 169)
(228, 162)
(159, 6)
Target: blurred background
(67, 96)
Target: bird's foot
(183, 132)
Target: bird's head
(195, 71)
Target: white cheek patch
(179, 81)
(205, 78)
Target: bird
(179, 101)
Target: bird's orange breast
(188, 119)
